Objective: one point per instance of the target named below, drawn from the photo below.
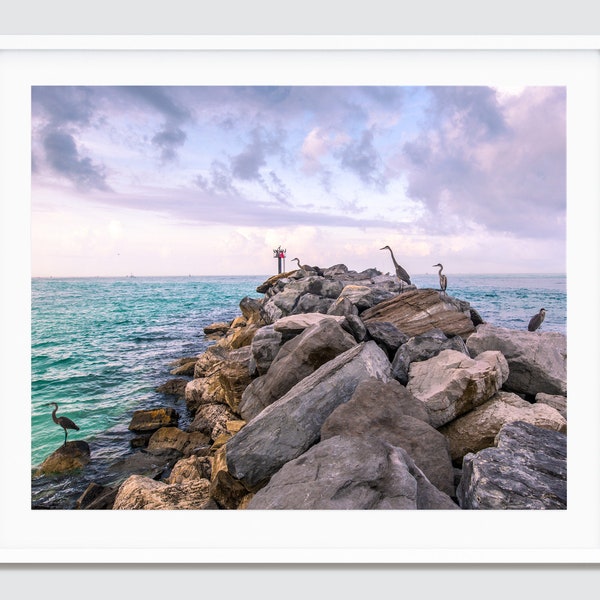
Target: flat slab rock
(527, 470)
(417, 311)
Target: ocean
(101, 346)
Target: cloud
(162, 99)
(361, 158)
(492, 161)
(63, 157)
(64, 104)
(168, 140)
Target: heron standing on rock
(64, 422)
(537, 320)
(443, 278)
(303, 267)
(401, 273)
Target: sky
(210, 180)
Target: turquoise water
(100, 347)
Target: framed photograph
(181, 175)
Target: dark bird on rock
(537, 320)
(443, 278)
(303, 267)
(401, 273)
(317, 270)
(64, 422)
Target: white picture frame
(570, 536)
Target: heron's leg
(65, 438)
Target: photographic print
(299, 297)
(226, 323)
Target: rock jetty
(339, 390)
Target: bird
(64, 422)
(537, 320)
(443, 278)
(306, 267)
(402, 275)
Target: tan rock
(451, 384)
(555, 401)
(192, 468)
(478, 429)
(70, 457)
(152, 419)
(234, 426)
(172, 437)
(219, 461)
(142, 493)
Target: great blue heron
(443, 278)
(64, 422)
(537, 320)
(303, 267)
(402, 275)
(316, 269)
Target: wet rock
(174, 387)
(150, 463)
(70, 457)
(185, 369)
(173, 438)
(451, 384)
(97, 497)
(527, 470)
(152, 419)
(216, 330)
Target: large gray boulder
(296, 359)
(387, 335)
(382, 410)
(288, 427)
(478, 429)
(537, 360)
(351, 473)
(451, 384)
(527, 470)
(422, 347)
